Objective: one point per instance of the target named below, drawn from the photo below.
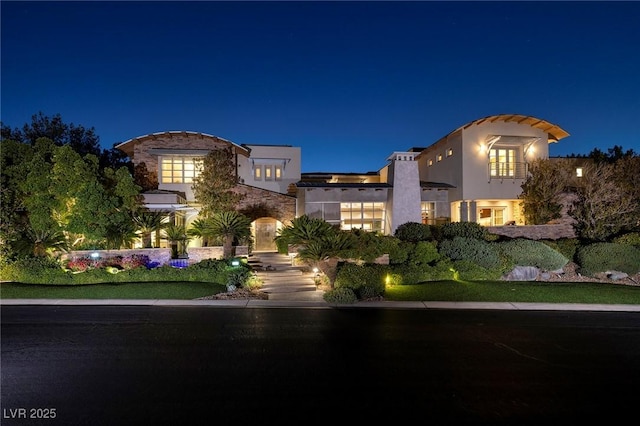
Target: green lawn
(148, 290)
(460, 291)
(506, 291)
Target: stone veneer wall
(160, 255)
(280, 206)
(168, 140)
(535, 232)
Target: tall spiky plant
(302, 231)
(177, 237)
(325, 251)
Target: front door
(265, 233)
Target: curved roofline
(554, 132)
(122, 145)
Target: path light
(235, 262)
(292, 256)
(95, 255)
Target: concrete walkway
(282, 281)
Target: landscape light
(235, 262)
(95, 255)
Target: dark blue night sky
(349, 82)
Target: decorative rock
(616, 275)
(522, 273)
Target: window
(329, 212)
(178, 169)
(366, 216)
(278, 172)
(428, 212)
(502, 162)
(439, 157)
(257, 172)
(579, 172)
(430, 162)
(449, 152)
(267, 173)
(491, 216)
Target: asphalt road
(110, 365)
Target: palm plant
(230, 225)
(325, 251)
(40, 243)
(148, 221)
(203, 229)
(302, 231)
(178, 238)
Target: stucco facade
(474, 173)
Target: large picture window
(178, 170)
(367, 216)
(428, 212)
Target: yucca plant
(40, 243)
(203, 229)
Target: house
(473, 173)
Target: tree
(83, 141)
(603, 207)
(542, 190)
(213, 187)
(230, 225)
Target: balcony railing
(507, 170)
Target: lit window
(366, 216)
(278, 172)
(502, 162)
(439, 157)
(450, 152)
(579, 172)
(428, 212)
(178, 169)
(430, 162)
(267, 173)
(257, 173)
(491, 216)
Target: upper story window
(439, 157)
(430, 162)
(502, 162)
(449, 152)
(267, 172)
(178, 170)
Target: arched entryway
(264, 231)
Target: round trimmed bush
(603, 257)
(341, 295)
(465, 248)
(413, 232)
(525, 252)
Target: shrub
(631, 239)
(423, 253)
(413, 232)
(38, 270)
(79, 264)
(565, 246)
(470, 271)
(212, 265)
(449, 231)
(365, 280)
(525, 252)
(602, 257)
(341, 295)
(465, 248)
(410, 274)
